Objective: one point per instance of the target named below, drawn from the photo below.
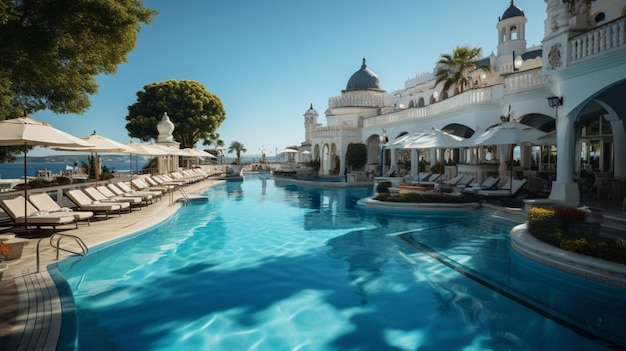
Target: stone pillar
(564, 188)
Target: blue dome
(512, 11)
(364, 79)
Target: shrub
(383, 187)
(570, 214)
(427, 197)
(38, 183)
(543, 225)
(63, 180)
(548, 225)
(438, 168)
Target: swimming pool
(268, 267)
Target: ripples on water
(267, 267)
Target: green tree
(356, 155)
(453, 69)
(237, 148)
(52, 51)
(195, 112)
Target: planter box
(16, 246)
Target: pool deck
(30, 307)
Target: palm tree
(453, 69)
(238, 148)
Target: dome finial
(364, 62)
(311, 106)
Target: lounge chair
(95, 195)
(452, 181)
(43, 202)
(132, 200)
(85, 203)
(141, 185)
(465, 181)
(15, 209)
(509, 189)
(432, 179)
(146, 197)
(420, 177)
(157, 194)
(488, 183)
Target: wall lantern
(555, 101)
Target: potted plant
(4, 252)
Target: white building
(581, 63)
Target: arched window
(411, 104)
(420, 102)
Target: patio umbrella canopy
(100, 145)
(30, 132)
(509, 133)
(435, 138)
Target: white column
(564, 188)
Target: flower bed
(570, 229)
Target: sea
(15, 170)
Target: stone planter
(3, 267)
(585, 229)
(16, 246)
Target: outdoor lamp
(555, 101)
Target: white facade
(582, 60)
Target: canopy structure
(510, 133)
(30, 132)
(434, 138)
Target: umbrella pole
(25, 189)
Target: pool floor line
(507, 294)
(418, 230)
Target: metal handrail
(78, 240)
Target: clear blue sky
(268, 60)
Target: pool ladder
(55, 242)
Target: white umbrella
(509, 133)
(100, 145)
(30, 132)
(434, 138)
(399, 143)
(288, 151)
(146, 149)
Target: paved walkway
(30, 308)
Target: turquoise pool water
(267, 267)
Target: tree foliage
(195, 112)
(52, 51)
(356, 155)
(237, 148)
(453, 69)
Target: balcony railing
(470, 97)
(524, 80)
(602, 40)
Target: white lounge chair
(509, 189)
(33, 217)
(132, 200)
(488, 183)
(85, 203)
(43, 202)
(146, 196)
(98, 196)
